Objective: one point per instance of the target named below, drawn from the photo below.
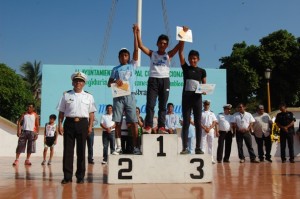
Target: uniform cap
(79, 75)
(227, 106)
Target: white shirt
(107, 121)
(172, 121)
(208, 118)
(262, 124)
(159, 65)
(76, 104)
(29, 122)
(50, 130)
(224, 122)
(242, 120)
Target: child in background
(50, 138)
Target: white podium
(159, 163)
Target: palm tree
(32, 75)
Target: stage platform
(230, 180)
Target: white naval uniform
(207, 119)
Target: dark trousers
(74, 131)
(191, 101)
(108, 139)
(227, 138)
(260, 146)
(289, 138)
(240, 137)
(90, 145)
(127, 144)
(157, 87)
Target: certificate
(206, 88)
(119, 91)
(182, 35)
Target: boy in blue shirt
(125, 72)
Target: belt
(225, 131)
(76, 119)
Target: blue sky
(72, 31)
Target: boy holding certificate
(122, 78)
(192, 76)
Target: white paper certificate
(206, 88)
(183, 36)
(119, 91)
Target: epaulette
(67, 91)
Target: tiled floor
(231, 180)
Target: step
(159, 163)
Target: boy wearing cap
(208, 122)
(223, 131)
(126, 72)
(192, 77)
(262, 128)
(78, 107)
(159, 80)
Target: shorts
(26, 137)
(124, 104)
(50, 141)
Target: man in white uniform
(208, 122)
(242, 122)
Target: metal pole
(269, 98)
(139, 22)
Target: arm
(37, 125)
(19, 127)
(91, 122)
(181, 55)
(61, 116)
(45, 133)
(56, 135)
(172, 52)
(136, 31)
(141, 46)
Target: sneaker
(184, 152)
(137, 151)
(226, 161)
(147, 130)
(213, 162)
(117, 151)
(162, 130)
(44, 162)
(198, 151)
(16, 162)
(242, 160)
(27, 162)
(103, 162)
(49, 162)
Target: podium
(159, 163)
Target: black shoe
(254, 161)
(65, 181)
(91, 162)
(261, 159)
(292, 161)
(219, 161)
(283, 161)
(269, 159)
(79, 181)
(198, 151)
(226, 161)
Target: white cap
(79, 75)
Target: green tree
(280, 51)
(32, 75)
(242, 80)
(14, 94)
